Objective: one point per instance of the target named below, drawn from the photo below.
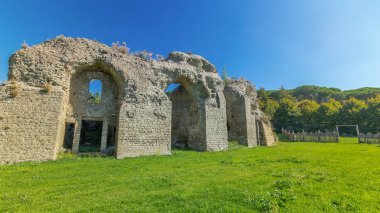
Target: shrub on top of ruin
(14, 87)
(24, 45)
(225, 75)
(250, 90)
(46, 88)
(104, 52)
(144, 54)
(14, 84)
(121, 48)
(115, 45)
(159, 57)
(14, 93)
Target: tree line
(312, 108)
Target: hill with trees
(313, 108)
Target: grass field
(290, 177)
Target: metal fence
(369, 138)
(311, 136)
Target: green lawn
(290, 177)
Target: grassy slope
(296, 177)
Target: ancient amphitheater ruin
(45, 106)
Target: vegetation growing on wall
(14, 88)
(46, 88)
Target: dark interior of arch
(185, 118)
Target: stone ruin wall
(30, 123)
(267, 137)
(242, 107)
(143, 111)
(246, 122)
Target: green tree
(267, 105)
(328, 114)
(321, 108)
(262, 94)
(362, 93)
(308, 115)
(372, 115)
(280, 94)
(316, 93)
(286, 115)
(95, 98)
(353, 112)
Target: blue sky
(333, 43)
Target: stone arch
(188, 113)
(185, 118)
(96, 120)
(101, 66)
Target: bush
(14, 93)
(15, 88)
(24, 45)
(159, 57)
(144, 54)
(122, 49)
(46, 88)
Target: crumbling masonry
(45, 107)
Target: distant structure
(46, 106)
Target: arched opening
(185, 118)
(94, 108)
(171, 87)
(95, 91)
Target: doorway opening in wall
(185, 121)
(90, 136)
(69, 136)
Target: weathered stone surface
(133, 102)
(241, 105)
(30, 124)
(244, 117)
